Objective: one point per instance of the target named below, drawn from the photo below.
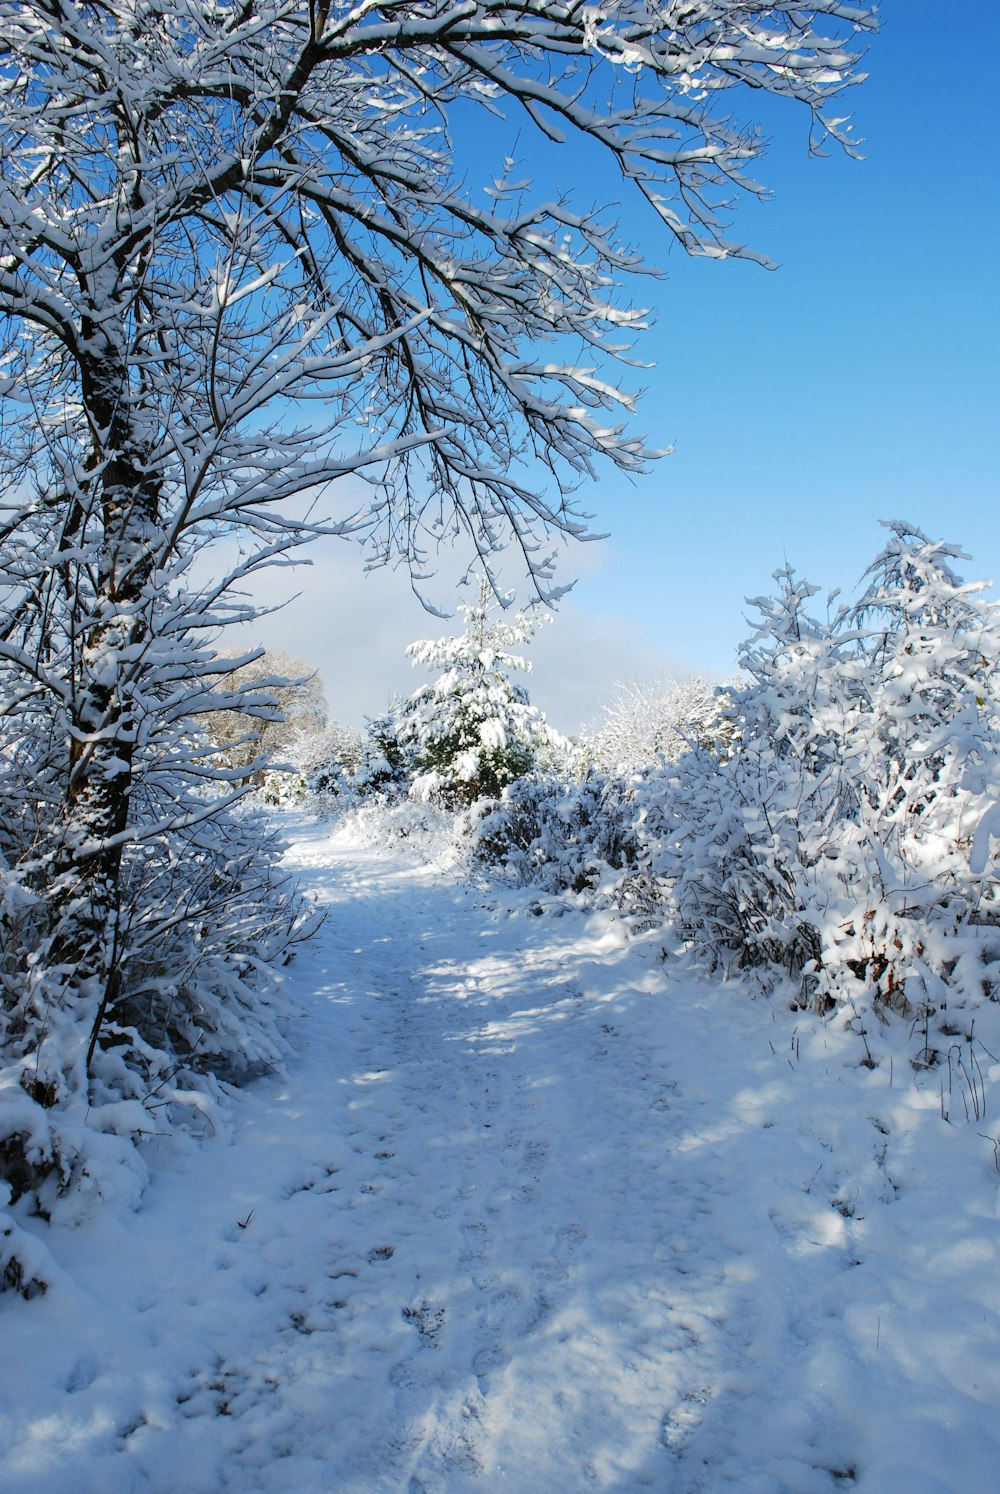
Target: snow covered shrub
(834, 840)
(205, 929)
(472, 731)
(315, 766)
(738, 830)
(204, 916)
(928, 650)
(385, 764)
(562, 757)
(424, 829)
(328, 759)
(654, 719)
(560, 834)
(281, 787)
(21, 1268)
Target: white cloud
(354, 628)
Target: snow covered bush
(835, 840)
(560, 834)
(658, 718)
(205, 916)
(328, 759)
(315, 767)
(208, 925)
(472, 730)
(385, 763)
(735, 832)
(422, 829)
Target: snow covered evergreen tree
(384, 764)
(472, 730)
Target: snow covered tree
(929, 642)
(384, 764)
(928, 741)
(289, 703)
(656, 718)
(472, 730)
(739, 832)
(241, 260)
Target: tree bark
(85, 898)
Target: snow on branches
(645, 720)
(472, 730)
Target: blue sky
(860, 380)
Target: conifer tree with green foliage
(472, 730)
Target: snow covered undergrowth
(531, 1209)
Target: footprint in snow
(475, 1236)
(486, 1361)
(427, 1320)
(82, 1375)
(569, 1238)
(677, 1424)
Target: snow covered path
(527, 1212)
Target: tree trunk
(85, 894)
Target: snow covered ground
(532, 1208)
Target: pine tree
(472, 730)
